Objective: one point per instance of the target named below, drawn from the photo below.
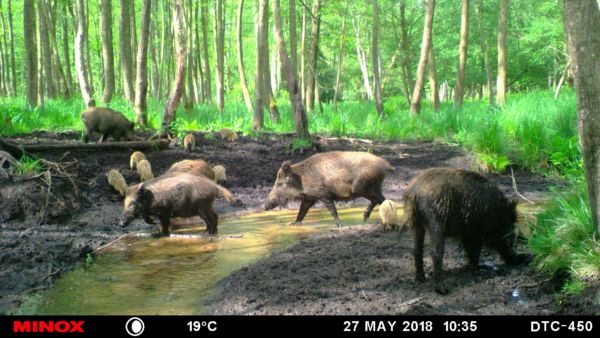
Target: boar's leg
(473, 249)
(333, 211)
(164, 224)
(306, 204)
(376, 197)
(437, 255)
(418, 252)
(212, 219)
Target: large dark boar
(106, 122)
(172, 195)
(458, 203)
(329, 177)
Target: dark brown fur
(172, 195)
(106, 122)
(458, 203)
(331, 176)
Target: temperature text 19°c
(196, 326)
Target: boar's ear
(286, 167)
(132, 125)
(144, 196)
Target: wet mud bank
(36, 250)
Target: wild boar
(388, 215)
(458, 203)
(329, 177)
(135, 158)
(201, 168)
(189, 142)
(117, 181)
(172, 195)
(220, 173)
(108, 123)
(196, 167)
(228, 135)
(144, 170)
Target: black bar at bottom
(196, 326)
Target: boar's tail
(226, 193)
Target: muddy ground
(362, 270)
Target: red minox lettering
(19, 326)
(62, 326)
(48, 326)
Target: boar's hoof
(420, 279)
(441, 289)
(159, 235)
(295, 223)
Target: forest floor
(359, 270)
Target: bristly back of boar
(329, 177)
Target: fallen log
(139, 145)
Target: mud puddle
(176, 275)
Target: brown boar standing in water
(329, 177)
(458, 203)
(108, 123)
(189, 142)
(135, 158)
(172, 195)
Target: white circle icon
(134, 326)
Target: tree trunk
(291, 78)
(88, 57)
(41, 87)
(133, 34)
(170, 113)
(433, 85)
(302, 55)
(125, 50)
(415, 105)
(362, 62)
(108, 61)
(293, 40)
(484, 51)
(199, 78)
(12, 49)
(141, 77)
(57, 67)
(340, 59)
(66, 50)
(312, 59)
(501, 80)
(261, 48)
(207, 80)
(5, 64)
(240, 56)
(583, 40)
(406, 63)
(80, 68)
(44, 45)
(268, 98)
(459, 91)
(376, 64)
(219, 29)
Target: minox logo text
(60, 326)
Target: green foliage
(28, 166)
(89, 260)
(563, 239)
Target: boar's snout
(124, 221)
